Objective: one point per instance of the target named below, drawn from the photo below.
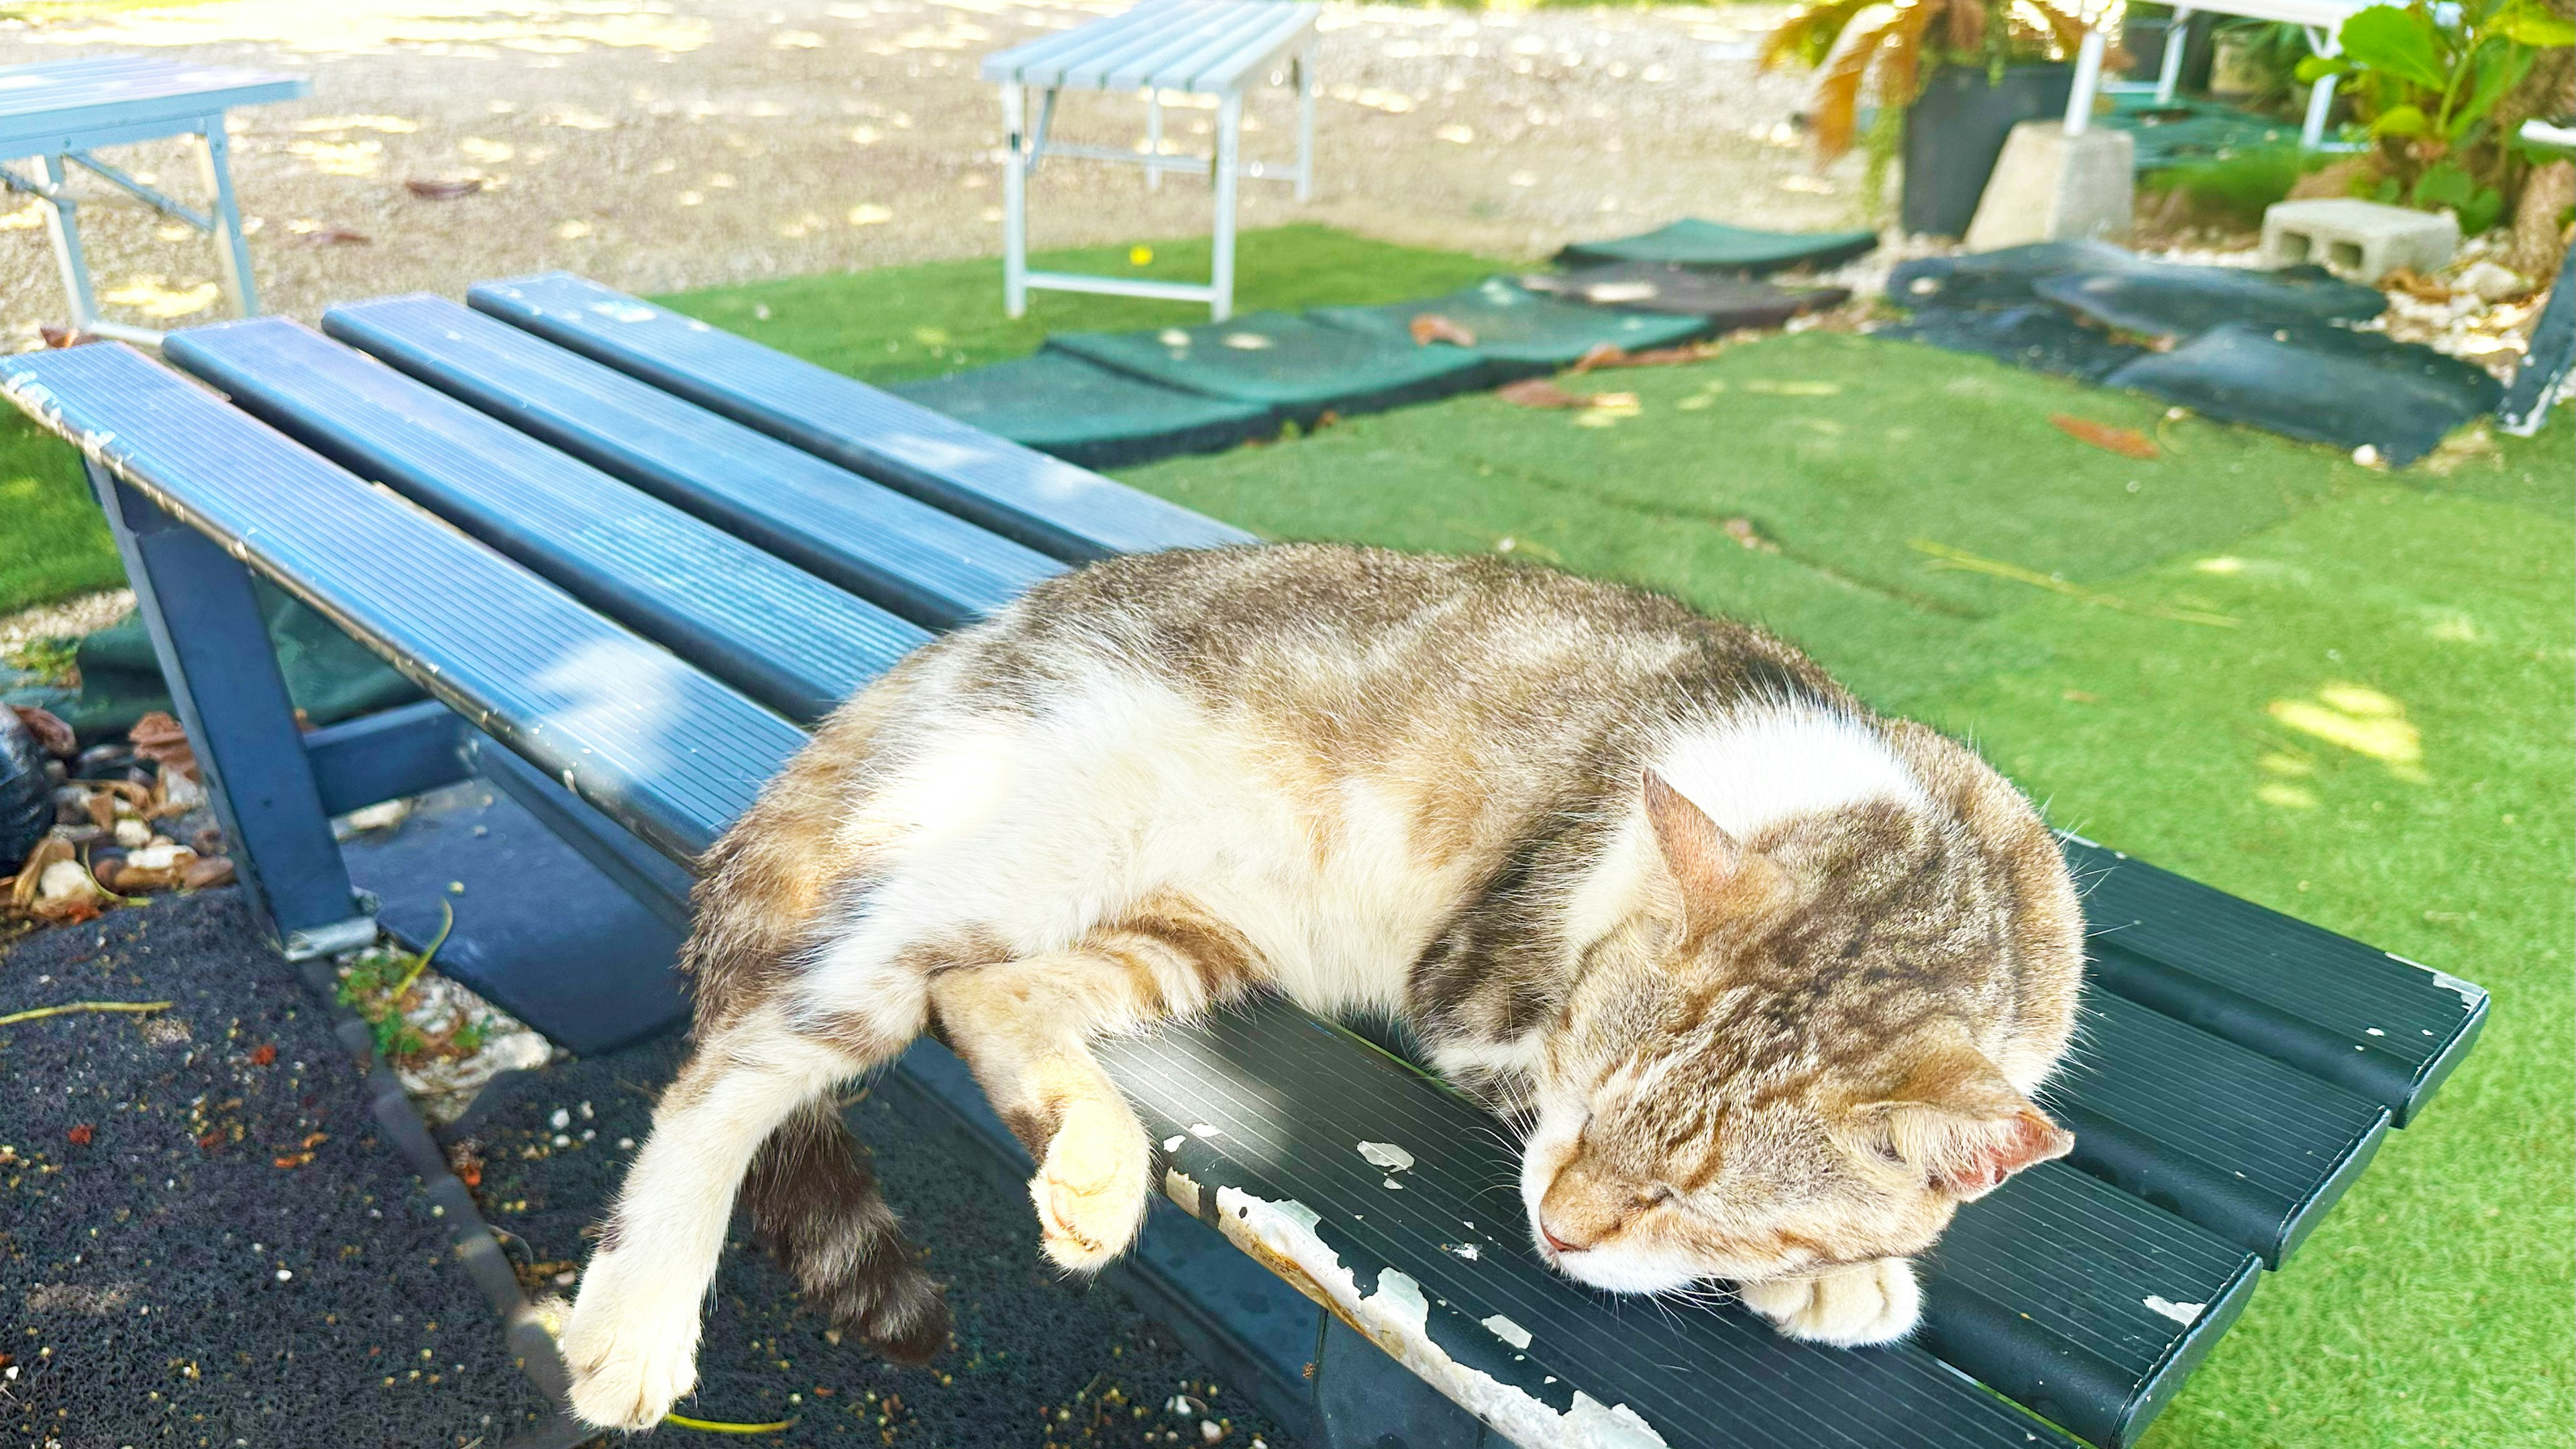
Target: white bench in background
(1162, 47)
(2322, 19)
(58, 112)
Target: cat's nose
(1555, 1242)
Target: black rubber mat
(2033, 335)
(1087, 414)
(1519, 330)
(1030, 1344)
(1726, 302)
(2325, 384)
(2179, 302)
(1998, 278)
(206, 1243)
(1692, 242)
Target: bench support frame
(205, 623)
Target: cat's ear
(1717, 876)
(1967, 1128)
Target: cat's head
(1811, 1045)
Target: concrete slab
(2049, 186)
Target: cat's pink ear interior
(1966, 1127)
(1705, 861)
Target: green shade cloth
(1301, 367)
(1518, 330)
(1691, 242)
(330, 676)
(2183, 131)
(1083, 413)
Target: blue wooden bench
(629, 556)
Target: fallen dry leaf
(1431, 327)
(206, 872)
(1600, 354)
(65, 337)
(431, 190)
(2127, 442)
(335, 236)
(2416, 285)
(158, 738)
(1539, 392)
(49, 730)
(1743, 531)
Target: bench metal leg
(1229, 146)
(62, 220)
(2088, 81)
(1153, 137)
(2169, 75)
(232, 250)
(213, 645)
(1015, 202)
(1306, 124)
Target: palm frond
(1838, 89)
(1808, 35)
(1900, 69)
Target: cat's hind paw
(629, 1356)
(1092, 1188)
(1868, 1303)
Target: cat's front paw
(631, 1355)
(1874, 1302)
(1091, 1189)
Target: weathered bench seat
(636, 553)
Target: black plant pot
(1956, 129)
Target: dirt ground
(661, 144)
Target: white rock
(65, 880)
(131, 832)
(2494, 283)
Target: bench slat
(791, 640)
(2231, 1139)
(1050, 505)
(2371, 1022)
(663, 748)
(890, 549)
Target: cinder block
(2049, 186)
(2360, 240)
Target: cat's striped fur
(1766, 978)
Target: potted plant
(1951, 77)
(2444, 90)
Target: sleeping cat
(1766, 979)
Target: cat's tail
(813, 1199)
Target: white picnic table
(2320, 18)
(59, 113)
(1161, 48)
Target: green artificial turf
(897, 323)
(53, 541)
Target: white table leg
(2088, 80)
(62, 220)
(1306, 123)
(232, 249)
(2169, 75)
(1015, 179)
(1154, 138)
(1229, 129)
(2312, 133)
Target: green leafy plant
(2269, 53)
(2438, 88)
(1898, 52)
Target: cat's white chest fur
(1038, 830)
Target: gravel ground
(1037, 1360)
(662, 144)
(201, 1241)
